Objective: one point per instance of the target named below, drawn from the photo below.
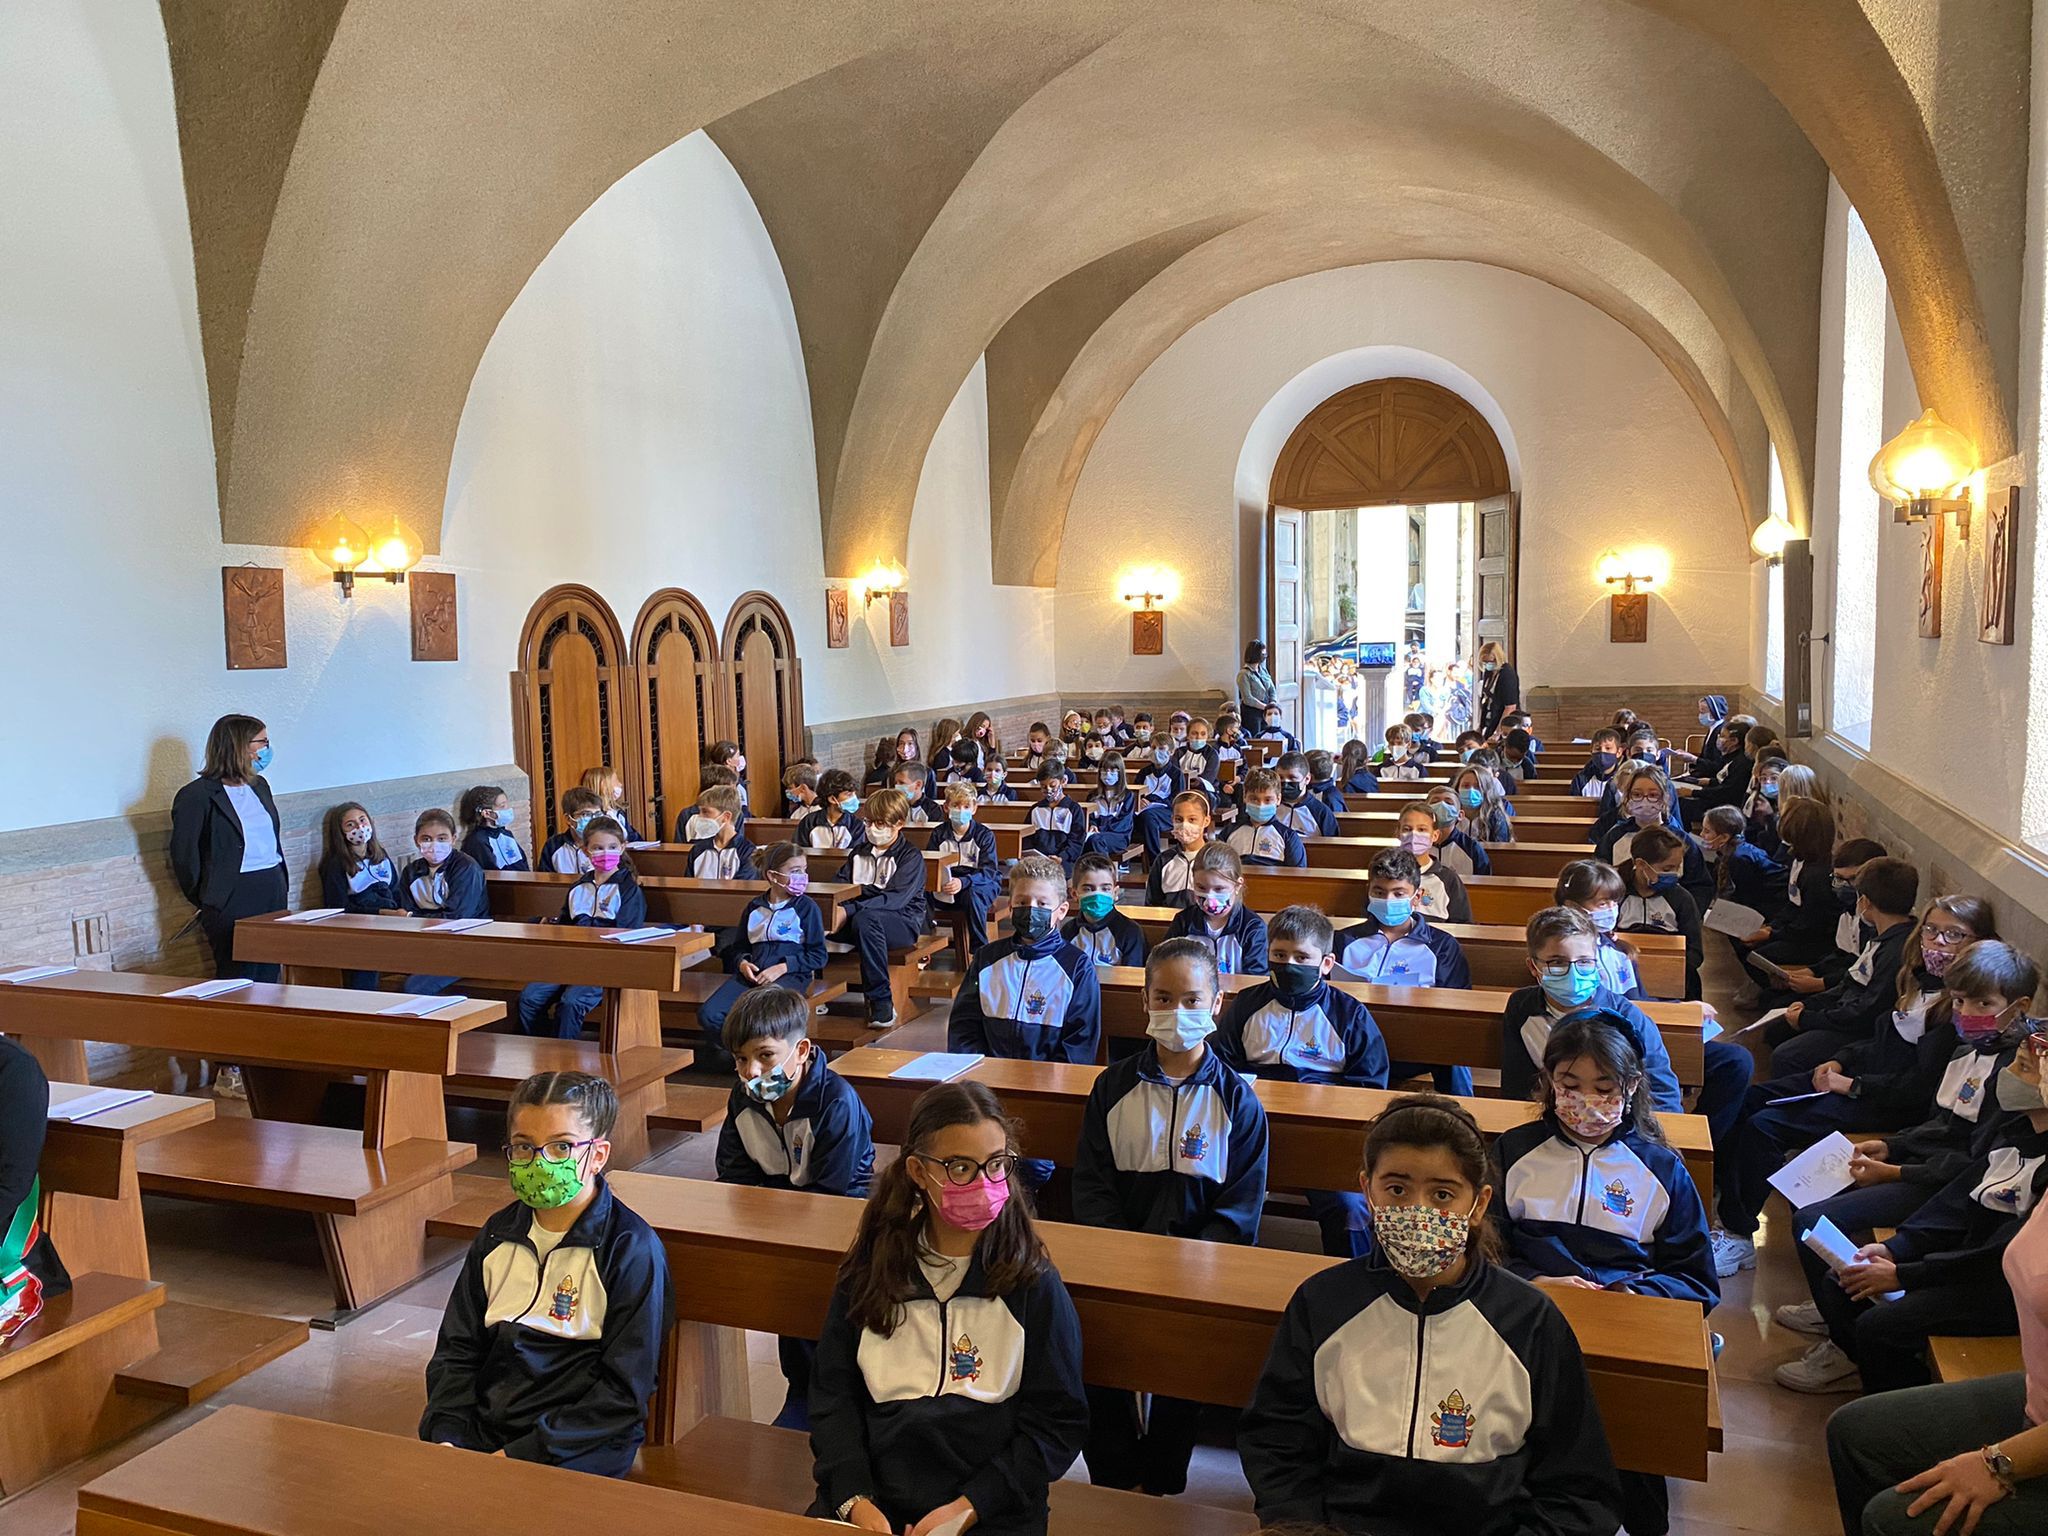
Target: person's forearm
(2029, 1452)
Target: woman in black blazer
(1500, 690)
(226, 842)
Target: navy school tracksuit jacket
(1310, 816)
(1363, 782)
(1590, 781)
(1240, 947)
(456, 889)
(553, 1363)
(1166, 882)
(369, 888)
(1112, 816)
(1468, 1412)
(1038, 1002)
(1462, 855)
(1424, 956)
(1960, 1234)
(1116, 940)
(1894, 1070)
(1177, 1160)
(827, 1144)
(977, 1395)
(1624, 1214)
(1201, 769)
(615, 903)
(735, 861)
(890, 880)
(1526, 1025)
(1329, 794)
(1326, 1037)
(1272, 846)
(1158, 782)
(563, 855)
(816, 831)
(1442, 894)
(494, 849)
(1058, 828)
(975, 861)
(1965, 1109)
(787, 932)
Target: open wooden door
(675, 665)
(1496, 539)
(1283, 610)
(571, 701)
(763, 695)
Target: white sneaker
(1732, 1254)
(1801, 1317)
(227, 1084)
(1823, 1368)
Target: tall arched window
(1853, 651)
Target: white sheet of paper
(423, 1007)
(81, 1101)
(311, 915)
(1732, 918)
(1820, 1171)
(457, 924)
(1835, 1250)
(643, 845)
(1770, 1018)
(640, 935)
(1796, 1098)
(937, 1066)
(214, 988)
(37, 972)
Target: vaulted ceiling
(1068, 187)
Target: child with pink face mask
(779, 941)
(1592, 1198)
(947, 1384)
(608, 897)
(442, 882)
(1441, 894)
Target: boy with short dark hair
(888, 912)
(1322, 783)
(800, 788)
(1058, 824)
(551, 1341)
(1105, 934)
(1259, 838)
(835, 821)
(1301, 809)
(563, 852)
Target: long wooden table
(1496, 953)
(1439, 1026)
(244, 1472)
(1580, 810)
(1158, 1314)
(1509, 899)
(1541, 860)
(1316, 1130)
(369, 1192)
(680, 902)
(1009, 834)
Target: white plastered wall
(1611, 455)
(640, 420)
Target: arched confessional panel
(571, 708)
(763, 697)
(677, 685)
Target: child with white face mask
(442, 882)
(1174, 1143)
(1492, 1428)
(356, 874)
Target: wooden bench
(1315, 1130)
(57, 1393)
(692, 1107)
(759, 1465)
(245, 1472)
(681, 903)
(1964, 1359)
(1498, 899)
(369, 1192)
(1009, 833)
(1439, 1026)
(1384, 826)
(1540, 860)
(92, 1209)
(1141, 1300)
(1581, 811)
(1497, 955)
(906, 964)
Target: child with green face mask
(551, 1343)
(1105, 935)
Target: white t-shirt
(544, 1241)
(943, 1274)
(259, 837)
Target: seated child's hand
(1761, 936)
(1867, 1171)
(1566, 1283)
(1874, 1274)
(1871, 1148)
(867, 1517)
(750, 973)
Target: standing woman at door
(1254, 682)
(225, 840)
(1500, 690)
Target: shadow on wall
(171, 763)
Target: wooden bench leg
(630, 1144)
(373, 1253)
(104, 1235)
(66, 1408)
(703, 1374)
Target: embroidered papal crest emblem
(964, 1363)
(1451, 1425)
(562, 1305)
(1194, 1144)
(1616, 1199)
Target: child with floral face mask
(948, 1291)
(1592, 1198)
(1490, 1423)
(1216, 913)
(551, 1343)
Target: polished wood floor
(1772, 1477)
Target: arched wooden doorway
(1402, 442)
(572, 710)
(764, 696)
(675, 662)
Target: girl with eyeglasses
(551, 1343)
(947, 1384)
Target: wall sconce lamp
(1925, 472)
(1628, 611)
(1770, 539)
(394, 554)
(881, 580)
(1151, 588)
(341, 545)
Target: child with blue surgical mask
(1260, 837)
(968, 885)
(486, 817)
(1482, 813)
(1564, 962)
(1595, 888)
(1396, 946)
